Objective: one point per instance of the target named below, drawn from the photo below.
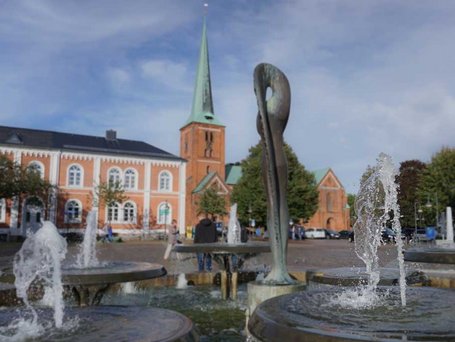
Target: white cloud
(170, 74)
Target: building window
(2, 210)
(114, 176)
(129, 212)
(165, 181)
(330, 201)
(130, 179)
(113, 213)
(75, 175)
(73, 211)
(36, 166)
(164, 213)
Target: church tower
(202, 138)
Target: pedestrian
(205, 233)
(110, 234)
(172, 238)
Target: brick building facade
(333, 209)
(153, 181)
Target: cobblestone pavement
(302, 255)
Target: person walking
(205, 233)
(172, 238)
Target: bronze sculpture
(271, 121)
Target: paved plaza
(302, 255)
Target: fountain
(38, 264)
(223, 254)
(443, 253)
(370, 312)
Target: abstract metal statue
(271, 121)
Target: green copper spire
(202, 109)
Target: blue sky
(366, 76)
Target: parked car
(315, 233)
(331, 234)
(344, 234)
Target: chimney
(111, 135)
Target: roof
(202, 108)
(233, 174)
(34, 138)
(203, 183)
(320, 174)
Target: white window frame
(40, 167)
(164, 188)
(2, 210)
(130, 176)
(133, 209)
(77, 219)
(162, 217)
(81, 176)
(112, 169)
(115, 207)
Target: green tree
(211, 203)
(249, 192)
(25, 182)
(351, 203)
(110, 193)
(437, 184)
(408, 180)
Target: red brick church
(202, 144)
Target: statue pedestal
(259, 292)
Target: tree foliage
(437, 184)
(211, 203)
(24, 182)
(110, 193)
(408, 179)
(351, 203)
(249, 192)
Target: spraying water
(234, 233)
(182, 283)
(375, 203)
(87, 254)
(39, 260)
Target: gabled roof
(34, 138)
(320, 174)
(202, 108)
(233, 173)
(208, 180)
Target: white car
(315, 233)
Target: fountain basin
(354, 276)
(112, 272)
(310, 316)
(436, 255)
(117, 323)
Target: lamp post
(430, 205)
(166, 212)
(419, 211)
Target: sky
(366, 76)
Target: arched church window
(330, 200)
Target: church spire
(202, 109)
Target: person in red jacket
(205, 233)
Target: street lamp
(416, 218)
(166, 212)
(430, 205)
